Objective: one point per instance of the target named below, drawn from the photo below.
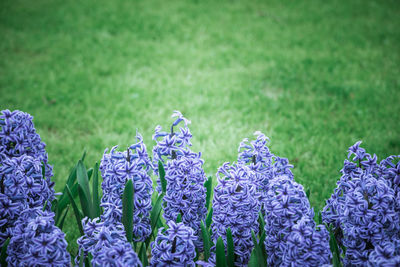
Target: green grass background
(315, 76)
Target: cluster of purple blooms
(292, 237)
(185, 192)
(107, 244)
(22, 186)
(236, 206)
(36, 241)
(364, 209)
(288, 216)
(119, 167)
(18, 137)
(174, 246)
(25, 190)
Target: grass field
(314, 76)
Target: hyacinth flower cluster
(22, 186)
(36, 241)
(186, 194)
(236, 206)
(174, 246)
(364, 208)
(18, 137)
(292, 238)
(172, 145)
(119, 167)
(265, 165)
(107, 244)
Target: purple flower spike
(364, 209)
(119, 167)
(106, 242)
(257, 156)
(21, 186)
(36, 241)
(236, 206)
(174, 246)
(18, 137)
(291, 235)
(186, 194)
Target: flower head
(288, 223)
(18, 137)
(186, 194)
(107, 243)
(236, 206)
(174, 246)
(36, 241)
(119, 167)
(21, 186)
(364, 209)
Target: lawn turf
(315, 76)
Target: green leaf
(179, 218)
(253, 259)
(85, 205)
(63, 218)
(230, 248)
(76, 210)
(161, 173)
(334, 248)
(261, 221)
(206, 241)
(143, 255)
(83, 182)
(220, 253)
(3, 255)
(155, 215)
(209, 218)
(208, 186)
(308, 192)
(127, 210)
(95, 190)
(257, 249)
(89, 173)
(83, 156)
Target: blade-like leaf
(208, 186)
(127, 210)
(179, 218)
(253, 259)
(230, 248)
(161, 173)
(83, 181)
(308, 192)
(76, 210)
(3, 255)
(63, 218)
(89, 173)
(261, 221)
(143, 255)
(155, 215)
(84, 203)
(206, 241)
(220, 253)
(209, 218)
(257, 249)
(334, 248)
(95, 190)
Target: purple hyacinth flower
(174, 246)
(106, 242)
(119, 167)
(236, 206)
(36, 241)
(21, 187)
(364, 209)
(18, 137)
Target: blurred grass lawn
(314, 76)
